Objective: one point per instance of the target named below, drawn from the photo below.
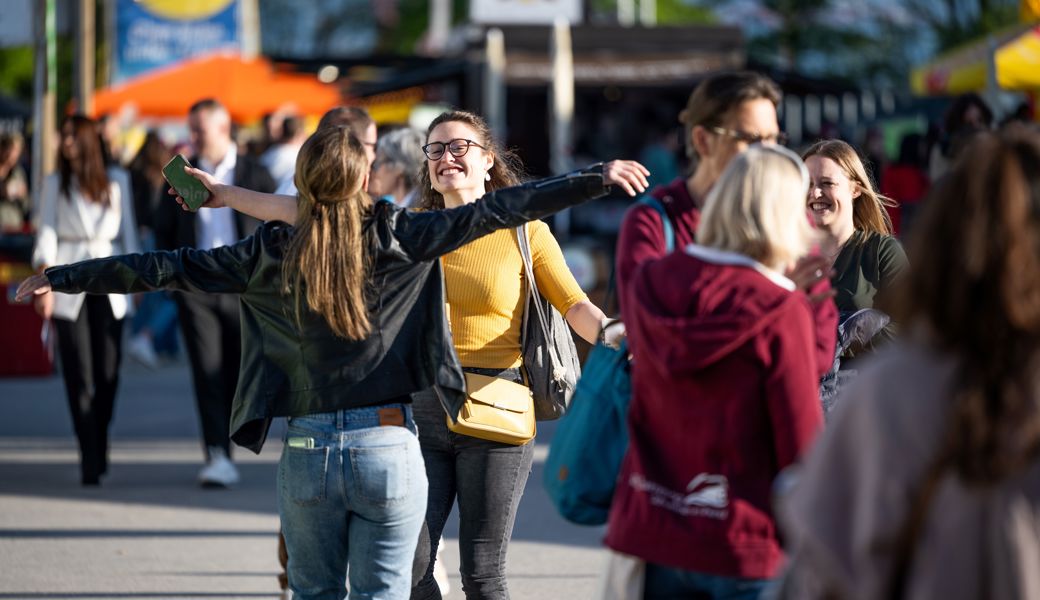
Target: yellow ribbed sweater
(484, 284)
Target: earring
(487, 176)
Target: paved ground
(150, 532)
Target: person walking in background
(85, 212)
(865, 258)
(396, 168)
(360, 124)
(926, 484)
(966, 116)
(724, 387)
(485, 291)
(280, 157)
(906, 182)
(210, 323)
(15, 202)
(154, 325)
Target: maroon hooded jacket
(725, 394)
(641, 238)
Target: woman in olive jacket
(342, 319)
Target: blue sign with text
(156, 33)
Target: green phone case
(192, 190)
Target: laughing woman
(867, 258)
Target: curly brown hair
(507, 169)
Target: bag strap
(666, 222)
(532, 298)
(669, 242)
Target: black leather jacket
(291, 369)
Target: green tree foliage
(874, 42)
(956, 22)
(16, 72)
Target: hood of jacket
(699, 305)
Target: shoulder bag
(550, 358)
(585, 456)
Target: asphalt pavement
(149, 531)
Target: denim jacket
(295, 369)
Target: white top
(215, 227)
(72, 228)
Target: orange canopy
(249, 88)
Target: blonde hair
(868, 209)
(757, 208)
(327, 260)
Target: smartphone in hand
(192, 190)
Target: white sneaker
(219, 471)
(140, 349)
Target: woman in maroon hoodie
(725, 387)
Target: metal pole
(495, 82)
(440, 25)
(561, 109)
(43, 96)
(86, 38)
(648, 13)
(626, 12)
(250, 29)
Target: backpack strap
(666, 223)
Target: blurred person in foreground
(725, 387)
(926, 484)
(210, 322)
(86, 212)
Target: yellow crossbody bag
(496, 409)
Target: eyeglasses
(752, 138)
(458, 148)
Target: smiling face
(460, 179)
(831, 196)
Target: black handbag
(550, 358)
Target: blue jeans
(667, 583)
(356, 498)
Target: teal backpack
(585, 456)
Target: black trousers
(212, 336)
(90, 349)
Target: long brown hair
(868, 209)
(506, 171)
(974, 289)
(974, 285)
(327, 259)
(88, 168)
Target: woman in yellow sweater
(484, 284)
